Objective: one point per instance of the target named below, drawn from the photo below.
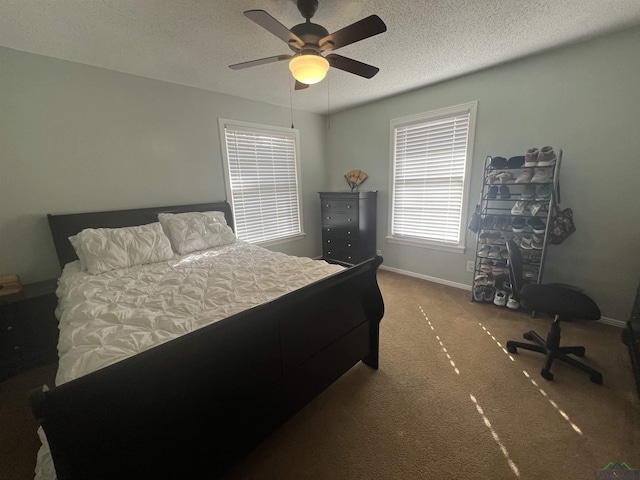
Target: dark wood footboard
(192, 407)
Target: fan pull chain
(328, 104)
(290, 98)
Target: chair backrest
(515, 268)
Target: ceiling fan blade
(365, 28)
(352, 66)
(260, 61)
(300, 85)
(269, 23)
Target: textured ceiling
(192, 42)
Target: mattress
(106, 318)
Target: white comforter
(108, 317)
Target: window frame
(459, 247)
(294, 133)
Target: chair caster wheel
(511, 348)
(528, 336)
(546, 374)
(597, 378)
(580, 352)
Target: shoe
(502, 222)
(494, 252)
(498, 163)
(478, 293)
(542, 175)
(480, 280)
(518, 207)
(504, 177)
(534, 208)
(536, 224)
(525, 176)
(491, 178)
(516, 162)
(543, 192)
(484, 251)
(517, 225)
(505, 193)
(488, 222)
(501, 282)
(504, 253)
(547, 157)
(512, 303)
(529, 192)
(537, 242)
(525, 242)
(530, 272)
(492, 193)
(489, 293)
(531, 157)
(500, 298)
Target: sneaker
(531, 157)
(525, 176)
(518, 224)
(529, 192)
(480, 280)
(498, 163)
(518, 207)
(502, 222)
(484, 251)
(492, 193)
(478, 293)
(492, 177)
(489, 293)
(530, 272)
(504, 253)
(505, 193)
(500, 298)
(512, 303)
(534, 208)
(537, 242)
(494, 252)
(542, 175)
(488, 222)
(525, 242)
(543, 192)
(547, 157)
(516, 162)
(536, 224)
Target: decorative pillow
(106, 249)
(193, 231)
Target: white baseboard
(608, 321)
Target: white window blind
(262, 179)
(431, 154)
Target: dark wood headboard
(64, 226)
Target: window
(261, 173)
(429, 177)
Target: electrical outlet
(471, 266)
(378, 252)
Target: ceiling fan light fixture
(309, 68)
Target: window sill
(277, 241)
(427, 244)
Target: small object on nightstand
(10, 285)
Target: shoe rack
(517, 202)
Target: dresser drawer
(340, 219)
(340, 243)
(344, 232)
(340, 205)
(342, 255)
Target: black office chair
(562, 303)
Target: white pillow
(76, 246)
(193, 231)
(106, 249)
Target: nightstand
(28, 328)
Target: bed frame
(194, 406)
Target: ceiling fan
(308, 41)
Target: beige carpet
(449, 403)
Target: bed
(187, 397)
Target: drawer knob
(349, 257)
(328, 218)
(348, 244)
(9, 328)
(348, 233)
(16, 347)
(348, 206)
(328, 241)
(329, 252)
(348, 219)
(328, 204)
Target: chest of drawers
(348, 226)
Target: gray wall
(584, 99)
(75, 138)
